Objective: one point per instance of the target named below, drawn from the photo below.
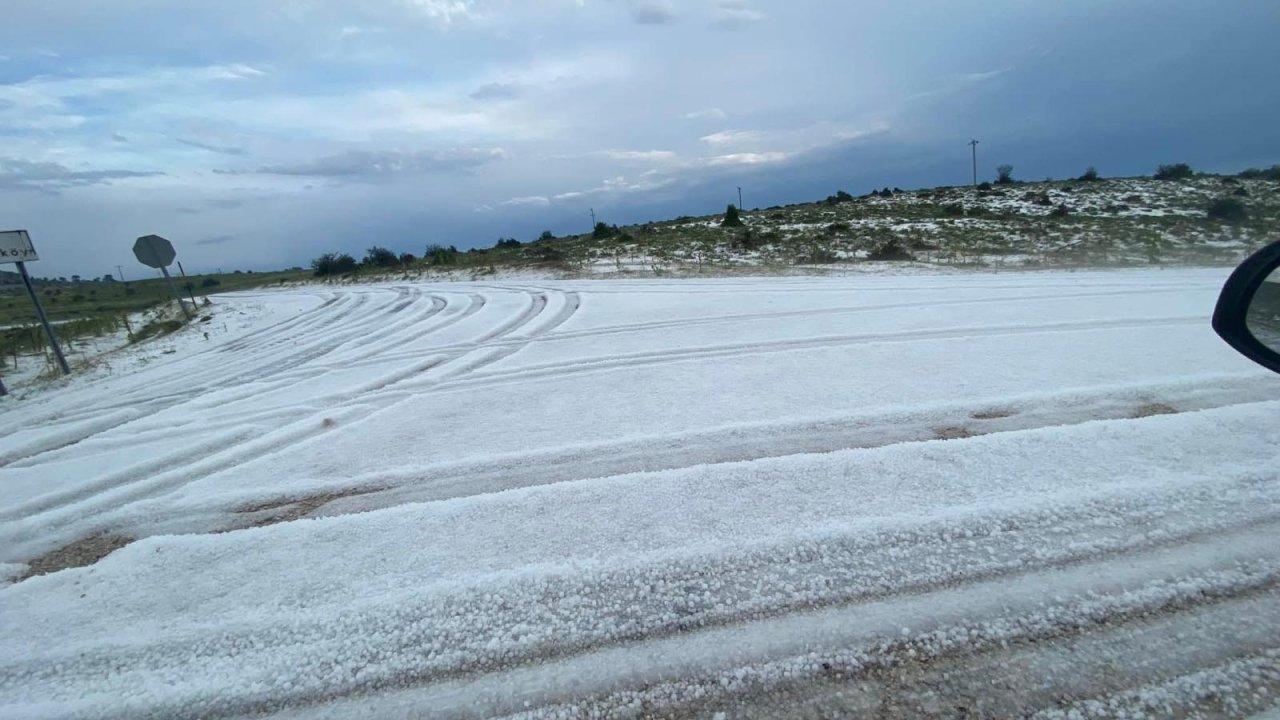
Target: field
(920, 495)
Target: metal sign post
(16, 248)
(154, 251)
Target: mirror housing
(1231, 312)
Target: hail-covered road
(999, 494)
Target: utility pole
(973, 144)
(739, 197)
(593, 219)
(120, 275)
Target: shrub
(408, 258)
(731, 217)
(953, 209)
(1271, 173)
(1175, 171)
(440, 255)
(210, 282)
(745, 240)
(332, 264)
(840, 197)
(817, 256)
(378, 256)
(514, 243)
(1004, 174)
(890, 249)
(984, 185)
(1090, 174)
(1227, 210)
(547, 235)
(603, 230)
(545, 253)
(1060, 212)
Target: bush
(408, 258)
(953, 209)
(545, 253)
(1004, 174)
(1271, 173)
(840, 197)
(746, 240)
(1227, 210)
(377, 256)
(1176, 171)
(440, 255)
(890, 249)
(818, 256)
(514, 243)
(210, 282)
(731, 217)
(1060, 212)
(603, 230)
(332, 264)
(1090, 175)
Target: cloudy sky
(257, 134)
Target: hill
(1112, 222)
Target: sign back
(15, 246)
(154, 251)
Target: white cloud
(760, 158)
(735, 15)
(708, 114)
(444, 12)
(528, 201)
(732, 137)
(637, 155)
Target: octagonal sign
(154, 251)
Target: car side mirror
(1248, 312)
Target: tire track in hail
(134, 484)
(607, 362)
(261, 371)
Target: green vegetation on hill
(1183, 218)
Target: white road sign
(15, 246)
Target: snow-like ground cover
(759, 497)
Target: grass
(93, 308)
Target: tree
(1090, 174)
(1004, 174)
(603, 230)
(440, 255)
(731, 217)
(547, 235)
(408, 258)
(1175, 171)
(378, 256)
(331, 264)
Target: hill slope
(1117, 222)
